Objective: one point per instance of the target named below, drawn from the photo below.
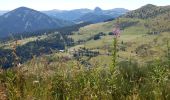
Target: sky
(76, 4)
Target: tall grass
(129, 81)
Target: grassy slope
(133, 37)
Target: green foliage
(129, 80)
(85, 52)
(14, 81)
(35, 48)
(148, 11)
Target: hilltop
(148, 11)
(24, 19)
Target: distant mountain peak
(148, 6)
(24, 19)
(97, 9)
(23, 9)
(76, 14)
(151, 5)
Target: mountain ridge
(93, 18)
(24, 19)
(73, 15)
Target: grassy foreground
(57, 78)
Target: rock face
(27, 20)
(98, 10)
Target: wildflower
(116, 31)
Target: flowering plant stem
(114, 54)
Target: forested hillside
(148, 11)
(24, 19)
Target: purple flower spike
(116, 31)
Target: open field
(139, 45)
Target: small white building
(61, 50)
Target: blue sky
(75, 4)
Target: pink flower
(116, 31)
